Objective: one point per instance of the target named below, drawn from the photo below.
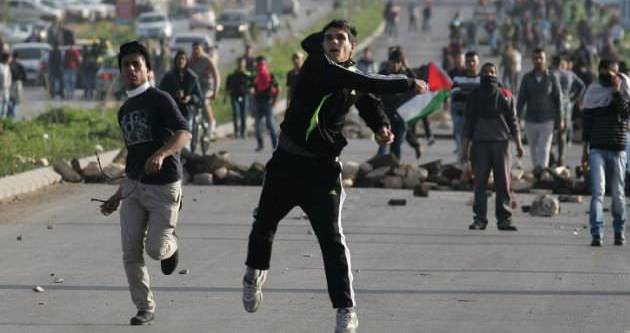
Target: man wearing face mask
(606, 112)
(489, 123)
(540, 104)
(305, 170)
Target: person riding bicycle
(183, 85)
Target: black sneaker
(142, 318)
(597, 241)
(169, 264)
(620, 239)
(506, 226)
(478, 225)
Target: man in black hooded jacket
(183, 85)
(489, 124)
(305, 170)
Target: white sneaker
(252, 288)
(347, 320)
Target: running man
(154, 131)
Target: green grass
(56, 135)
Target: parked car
(232, 24)
(154, 25)
(265, 22)
(15, 33)
(184, 41)
(202, 17)
(31, 10)
(108, 80)
(30, 55)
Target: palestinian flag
(421, 106)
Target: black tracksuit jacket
(324, 93)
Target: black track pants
(315, 186)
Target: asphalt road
(417, 268)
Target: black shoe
(597, 241)
(169, 264)
(620, 239)
(506, 226)
(478, 225)
(142, 318)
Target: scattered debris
(59, 280)
(19, 237)
(50, 227)
(38, 289)
(184, 271)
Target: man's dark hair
(195, 44)
(16, 55)
(555, 60)
(178, 54)
(133, 47)
(344, 25)
(260, 58)
(471, 54)
(608, 64)
(486, 65)
(539, 50)
(396, 56)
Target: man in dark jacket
(391, 103)
(540, 104)
(305, 170)
(238, 85)
(606, 111)
(489, 123)
(183, 85)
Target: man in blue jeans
(606, 111)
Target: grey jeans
(539, 138)
(148, 216)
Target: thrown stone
(59, 280)
(19, 237)
(38, 289)
(184, 271)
